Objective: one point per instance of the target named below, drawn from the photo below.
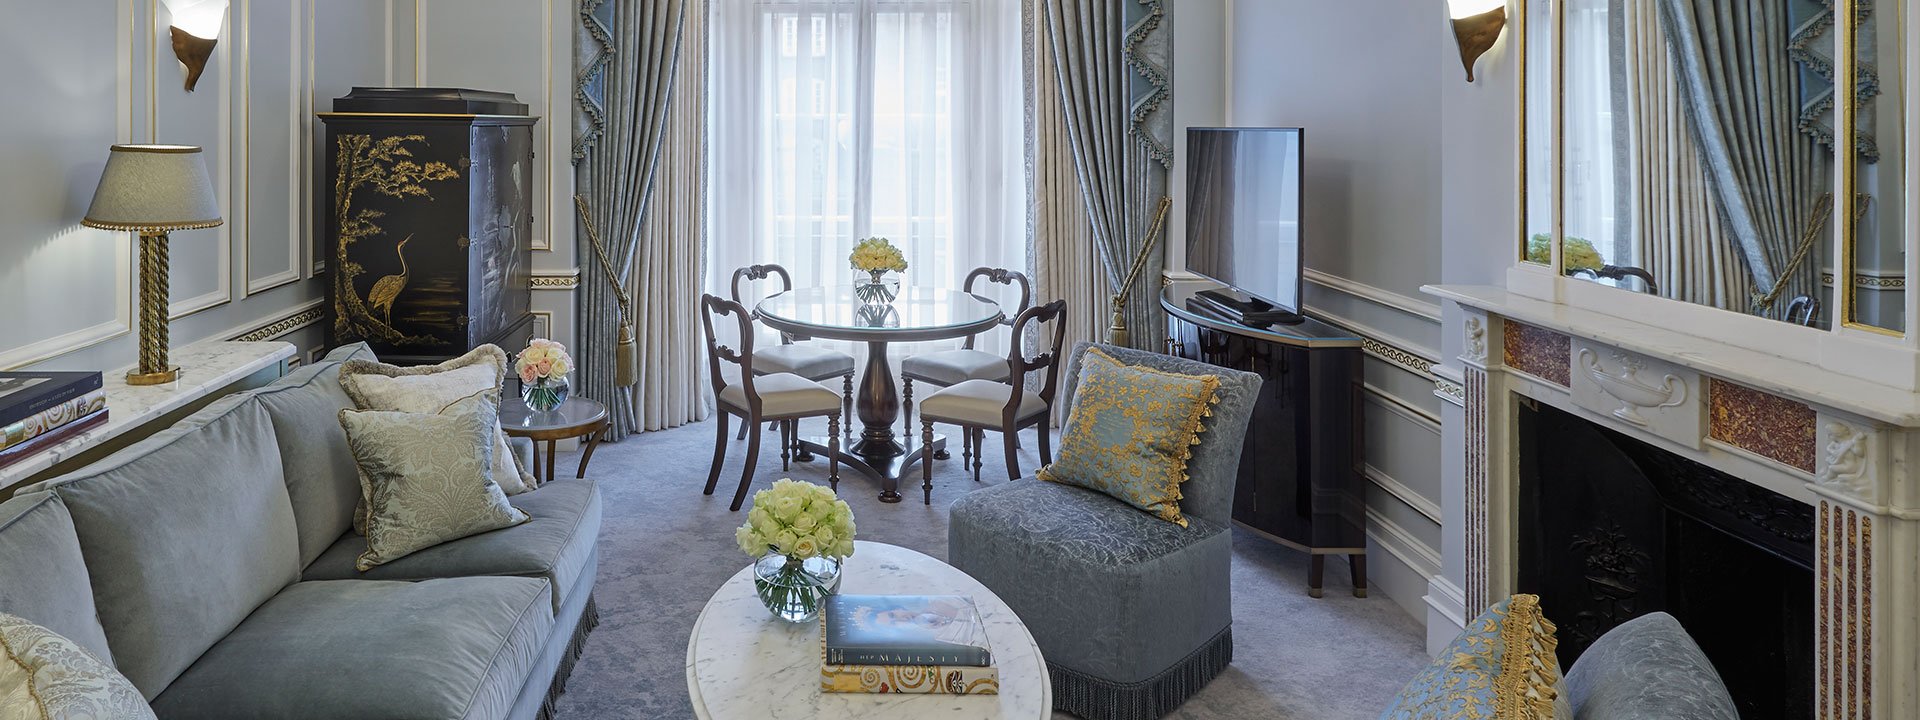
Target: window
(834, 120)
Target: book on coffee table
(933, 645)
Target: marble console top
(205, 367)
(744, 663)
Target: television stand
(1251, 312)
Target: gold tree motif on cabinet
(385, 166)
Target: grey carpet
(666, 548)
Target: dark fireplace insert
(1612, 528)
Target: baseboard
(1446, 613)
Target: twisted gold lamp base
(153, 368)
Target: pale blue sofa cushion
(443, 649)
(184, 534)
(1647, 668)
(556, 544)
(322, 480)
(43, 577)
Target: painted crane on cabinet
(384, 166)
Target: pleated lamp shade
(153, 188)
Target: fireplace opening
(1612, 528)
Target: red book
(59, 435)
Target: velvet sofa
(212, 565)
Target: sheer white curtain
(1589, 131)
(834, 120)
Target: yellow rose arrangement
(876, 255)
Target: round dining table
(917, 314)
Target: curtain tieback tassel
(626, 360)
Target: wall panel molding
(1399, 490)
(1376, 295)
(1402, 545)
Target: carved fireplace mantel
(1832, 440)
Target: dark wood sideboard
(1302, 472)
(428, 198)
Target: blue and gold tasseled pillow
(1502, 667)
(1131, 433)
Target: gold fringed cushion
(1131, 433)
(1501, 667)
(45, 676)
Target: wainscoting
(1403, 427)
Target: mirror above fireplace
(1686, 149)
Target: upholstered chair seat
(952, 367)
(784, 394)
(805, 360)
(979, 402)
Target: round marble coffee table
(744, 663)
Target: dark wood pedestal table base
(578, 417)
(916, 315)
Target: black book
(905, 630)
(24, 393)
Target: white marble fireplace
(1822, 418)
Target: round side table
(578, 417)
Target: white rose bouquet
(800, 532)
(799, 520)
(543, 369)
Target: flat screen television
(1243, 218)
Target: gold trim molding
(1450, 390)
(277, 328)
(560, 280)
(1404, 358)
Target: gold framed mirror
(1689, 153)
(1869, 283)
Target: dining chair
(947, 368)
(1007, 407)
(785, 398)
(806, 360)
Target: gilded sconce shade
(195, 30)
(1476, 26)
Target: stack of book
(925, 644)
(41, 409)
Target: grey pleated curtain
(1737, 83)
(1059, 236)
(1675, 230)
(1112, 75)
(624, 79)
(668, 272)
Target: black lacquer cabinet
(1302, 471)
(428, 221)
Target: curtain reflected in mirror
(1878, 248)
(1697, 143)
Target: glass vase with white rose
(876, 256)
(543, 369)
(801, 534)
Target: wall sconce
(1476, 25)
(195, 29)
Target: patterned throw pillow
(426, 389)
(1501, 667)
(47, 677)
(427, 479)
(1131, 433)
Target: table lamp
(150, 190)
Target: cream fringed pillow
(428, 388)
(44, 676)
(427, 478)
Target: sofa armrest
(1647, 668)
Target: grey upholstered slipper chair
(1133, 613)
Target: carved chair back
(1052, 317)
(732, 312)
(755, 273)
(1001, 276)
